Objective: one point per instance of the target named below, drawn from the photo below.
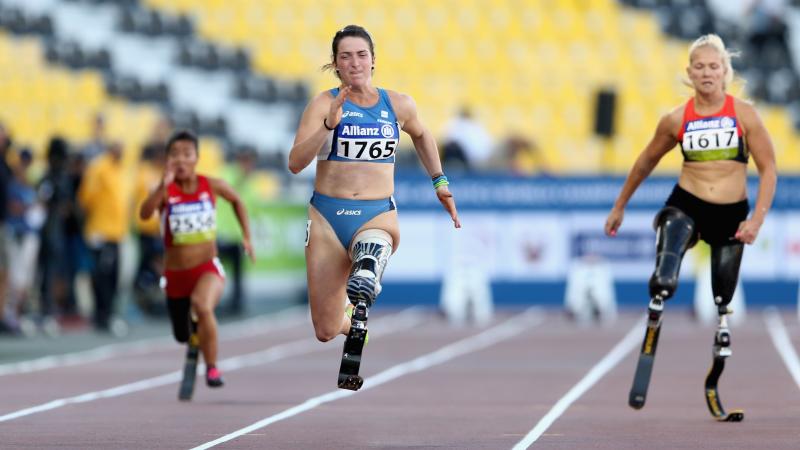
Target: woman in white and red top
(194, 276)
(717, 134)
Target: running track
(529, 379)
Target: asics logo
(352, 114)
(348, 212)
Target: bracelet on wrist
(440, 180)
(325, 124)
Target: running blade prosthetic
(190, 366)
(647, 355)
(353, 346)
(722, 342)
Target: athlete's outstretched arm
(760, 146)
(224, 190)
(426, 148)
(663, 141)
(312, 131)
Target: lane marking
(396, 322)
(487, 338)
(239, 330)
(783, 343)
(594, 375)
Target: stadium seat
(504, 62)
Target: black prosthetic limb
(675, 233)
(353, 346)
(190, 365)
(725, 261)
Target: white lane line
(487, 338)
(396, 322)
(594, 375)
(780, 337)
(242, 329)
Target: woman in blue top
(353, 132)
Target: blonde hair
(715, 42)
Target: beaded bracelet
(441, 180)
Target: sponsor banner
(762, 259)
(278, 233)
(418, 255)
(532, 229)
(789, 247)
(539, 246)
(531, 246)
(631, 253)
(499, 193)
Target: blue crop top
(365, 134)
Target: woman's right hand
(335, 112)
(614, 221)
(169, 175)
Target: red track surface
(486, 399)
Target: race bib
(709, 140)
(192, 223)
(367, 142)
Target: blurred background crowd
(91, 89)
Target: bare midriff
(718, 182)
(355, 180)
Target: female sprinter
(717, 134)
(193, 274)
(353, 132)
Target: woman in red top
(717, 134)
(193, 274)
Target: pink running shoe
(214, 378)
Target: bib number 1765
(366, 150)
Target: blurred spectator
(104, 196)
(55, 192)
(25, 219)
(767, 31)
(5, 178)
(79, 260)
(147, 292)
(98, 142)
(520, 156)
(254, 187)
(466, 142)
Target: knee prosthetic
(675, 233)
(725, 261)
(370, 254)
(180, 316)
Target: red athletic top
(712, 138)
(189, 218)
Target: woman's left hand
(449, 203)
(748, 230)
(248, 250)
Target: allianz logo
(705, 124)
(357, 130)
(348, 212)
